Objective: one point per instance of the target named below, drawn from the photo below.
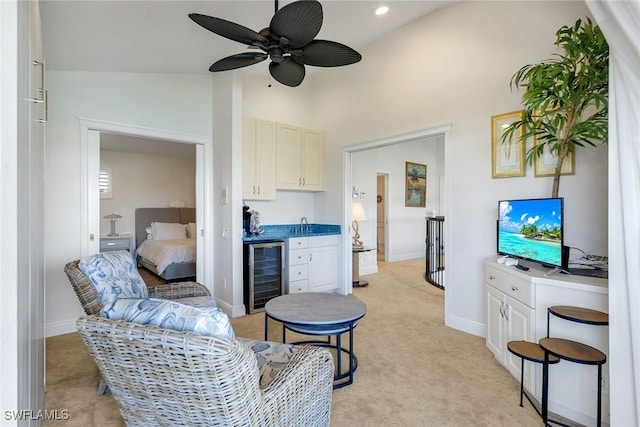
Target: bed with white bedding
(165, 241)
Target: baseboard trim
(464, 325)
(59, 328)
(406, 257)
(231, 310)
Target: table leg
(339, 354)
(545, 388)
(266, 327)
(521, 379)
(599, 395)
(351, 353)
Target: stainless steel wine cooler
(263, 273)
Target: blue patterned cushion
(200, 302)
(171, 315)
(272, 357)
(114, 275)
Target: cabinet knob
(299, 273)
(514, 288)
(492, 277)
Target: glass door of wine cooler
(264, 274)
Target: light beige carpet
(413, 371)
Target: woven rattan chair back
(88, 296)
(165, 377)
(84, 289)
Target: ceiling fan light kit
(288, 42)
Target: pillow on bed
(168, 231)
(209, 321)
(149, 233)
(192, 231)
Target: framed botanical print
(415, 185)
(507, 159)
(545, 165)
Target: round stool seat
(579, 314)
(529, 351)
(573, 351)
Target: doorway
(91, 131)
(442, 132)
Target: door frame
(347, 197)
(90, 130)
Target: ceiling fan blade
(238, 61)
(299, 22)
(325, 53)
(230, 30)
(287, 72)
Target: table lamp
(112, 217)
(357, 214)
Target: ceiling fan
(288, 42)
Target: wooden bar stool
(572, 351)
(534, 353)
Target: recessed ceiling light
(382, 10)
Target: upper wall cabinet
(258, 159)
(300, 159)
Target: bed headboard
(145, 216)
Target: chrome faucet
(304, 224)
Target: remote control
(522, 267)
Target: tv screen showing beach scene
(531, 229)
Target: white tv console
(517, 302)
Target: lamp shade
(112, 216)
(357, 212)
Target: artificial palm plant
(565, 98)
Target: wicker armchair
(86, 291)
(88, 296)
(164, 377)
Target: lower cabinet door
(495, 322)
(323, 268)
(519, 328)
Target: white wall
(141, 181)
(454, 66)
(288, 208)
(177, 103)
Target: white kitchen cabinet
(300, 158)
(517, 303)
(313, 264)
(258, 159)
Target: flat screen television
(532, 229)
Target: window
(105, 184)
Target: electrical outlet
(224, 283)
(605, 383)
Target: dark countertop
(288, 231)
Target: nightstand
(115, 243)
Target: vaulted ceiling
(156, 36)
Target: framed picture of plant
(507, 159)
(415, 185)
(545, 165)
